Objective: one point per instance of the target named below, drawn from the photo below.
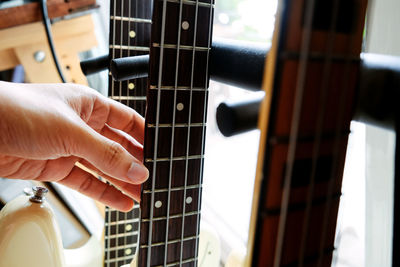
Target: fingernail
(137, 172)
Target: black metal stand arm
(242, 65)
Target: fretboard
(175, 132)
(311, 80)
(130, 23)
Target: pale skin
(45, 129)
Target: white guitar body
(30, 236)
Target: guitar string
(339, 124)
(188, 134)
(300, 84)
(128, 42)
(319, 128)
(127, 103)
(121, 41)
(159, 83)
(173, 132)
(112, 93)
(203, 133)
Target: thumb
(110, 157)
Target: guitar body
(30, 236)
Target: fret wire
(318, 56)
(128, 257)
(203, 130)
(188, 134)
(121, 247)
(183, 47)
(299, 89)
(182, 88)
(162, 190)
(339, 123)
(160, 69)
(133, 98)
(135, 220)
(132, 48)
(119, 234)
(191, 2)
(131, 19)
(178, 46)
(175, 158)
(170, 242)
(177, 262)
(319, 129)
(177, 125)
(175, 216)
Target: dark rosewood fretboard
(175, 132)
(130, 23)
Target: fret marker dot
(128, 251)
(185, 25)
(158, 204)
(189, 200)
(132, 34)
(128, 227)
(131, 86)
(180, 106)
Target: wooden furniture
(13, 15)
(27, 43)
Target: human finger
(92, 187)
(109, 157)
(128, 142)
(124, 118)
(131, 190)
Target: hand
(45, 129)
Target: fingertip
(137, 173)
(128, 206)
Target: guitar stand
(27, 45)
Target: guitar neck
(175, 132)
(310, 80)
(130, 23)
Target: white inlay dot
(128, 227)
(180, 106)
(132, 34)
(185, 25)
(158, 204)
(189, 200)
(131, 86)
(128, 251)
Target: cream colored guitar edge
(239, 258)
(30, 236)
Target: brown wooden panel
(30, 12)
